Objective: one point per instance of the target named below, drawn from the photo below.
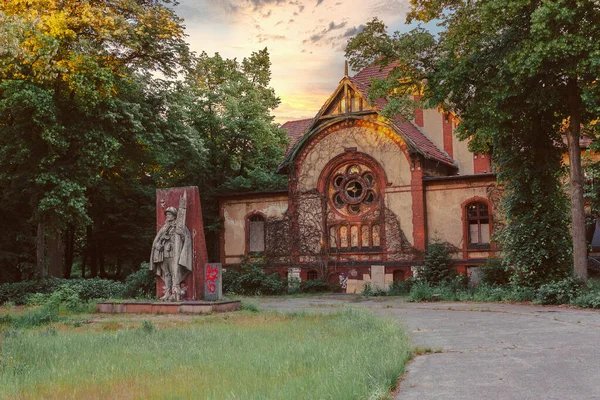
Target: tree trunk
(577, 204)
(100, 255)
(55, 254)
(91, 252)
(41, 251)
(69, 250)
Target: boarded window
(376, 242)
(398, 275)
(478, 221)
(256, 230)
(354, 236)
(344, 237)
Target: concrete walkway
(486, 350)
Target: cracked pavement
(485, 350)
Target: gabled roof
(295, 130)
(416, 139)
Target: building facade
(366, 194)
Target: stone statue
(172, 252)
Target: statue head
(171, 213)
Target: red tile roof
(414, 136)
(295, 130)
(362, 81)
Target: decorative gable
(345, 100)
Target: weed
(148, 326)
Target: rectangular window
(257, 236)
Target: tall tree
(495, 59)
(231, 106)
(62, 63)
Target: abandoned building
(365, 195)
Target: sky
(305, 40)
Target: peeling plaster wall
(432, 126)
(234, 213)
(444, 207)
(374, 143)
(379, 146)
(462, 156)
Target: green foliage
(517, 74)
(438, 264)
(494, 272)
(86, 289)
(315, 286)
(148, 326)
(140, 284)
(252, 279)
(559, 292)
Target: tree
(507, 67)
(230, 106)
(62, 65)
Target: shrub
(438, 265)
(315, 286)
(587, 300)
(399, 288)
(87, 289)
(252, 279)
(494, 273)
(141, 283)
(421, 291)
(559, 292)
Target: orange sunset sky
(305, 39)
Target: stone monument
(179, 249)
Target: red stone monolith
(194, 282)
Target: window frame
(467, 224)
(247, 233)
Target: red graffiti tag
(212, 274)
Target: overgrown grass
(348, 355)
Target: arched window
(478, 225)
(398, 275)
(256, 233)
(311, 275)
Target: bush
(315, 286)
(140, 284)
(587, 300)
(252, 279)
(19, 291)
(421, 291)
(494, 273)
(560, 292)
(438, 264)
(86, 289)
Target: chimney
(346, 68)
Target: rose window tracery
(353, 189)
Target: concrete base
(192, 307)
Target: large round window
(352, 189)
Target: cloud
(333, 26)
(266, 37)
(389, 8)
(258, 4)
(316, 37)
(354, 31)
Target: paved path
(487, 350)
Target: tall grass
(348, 355)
